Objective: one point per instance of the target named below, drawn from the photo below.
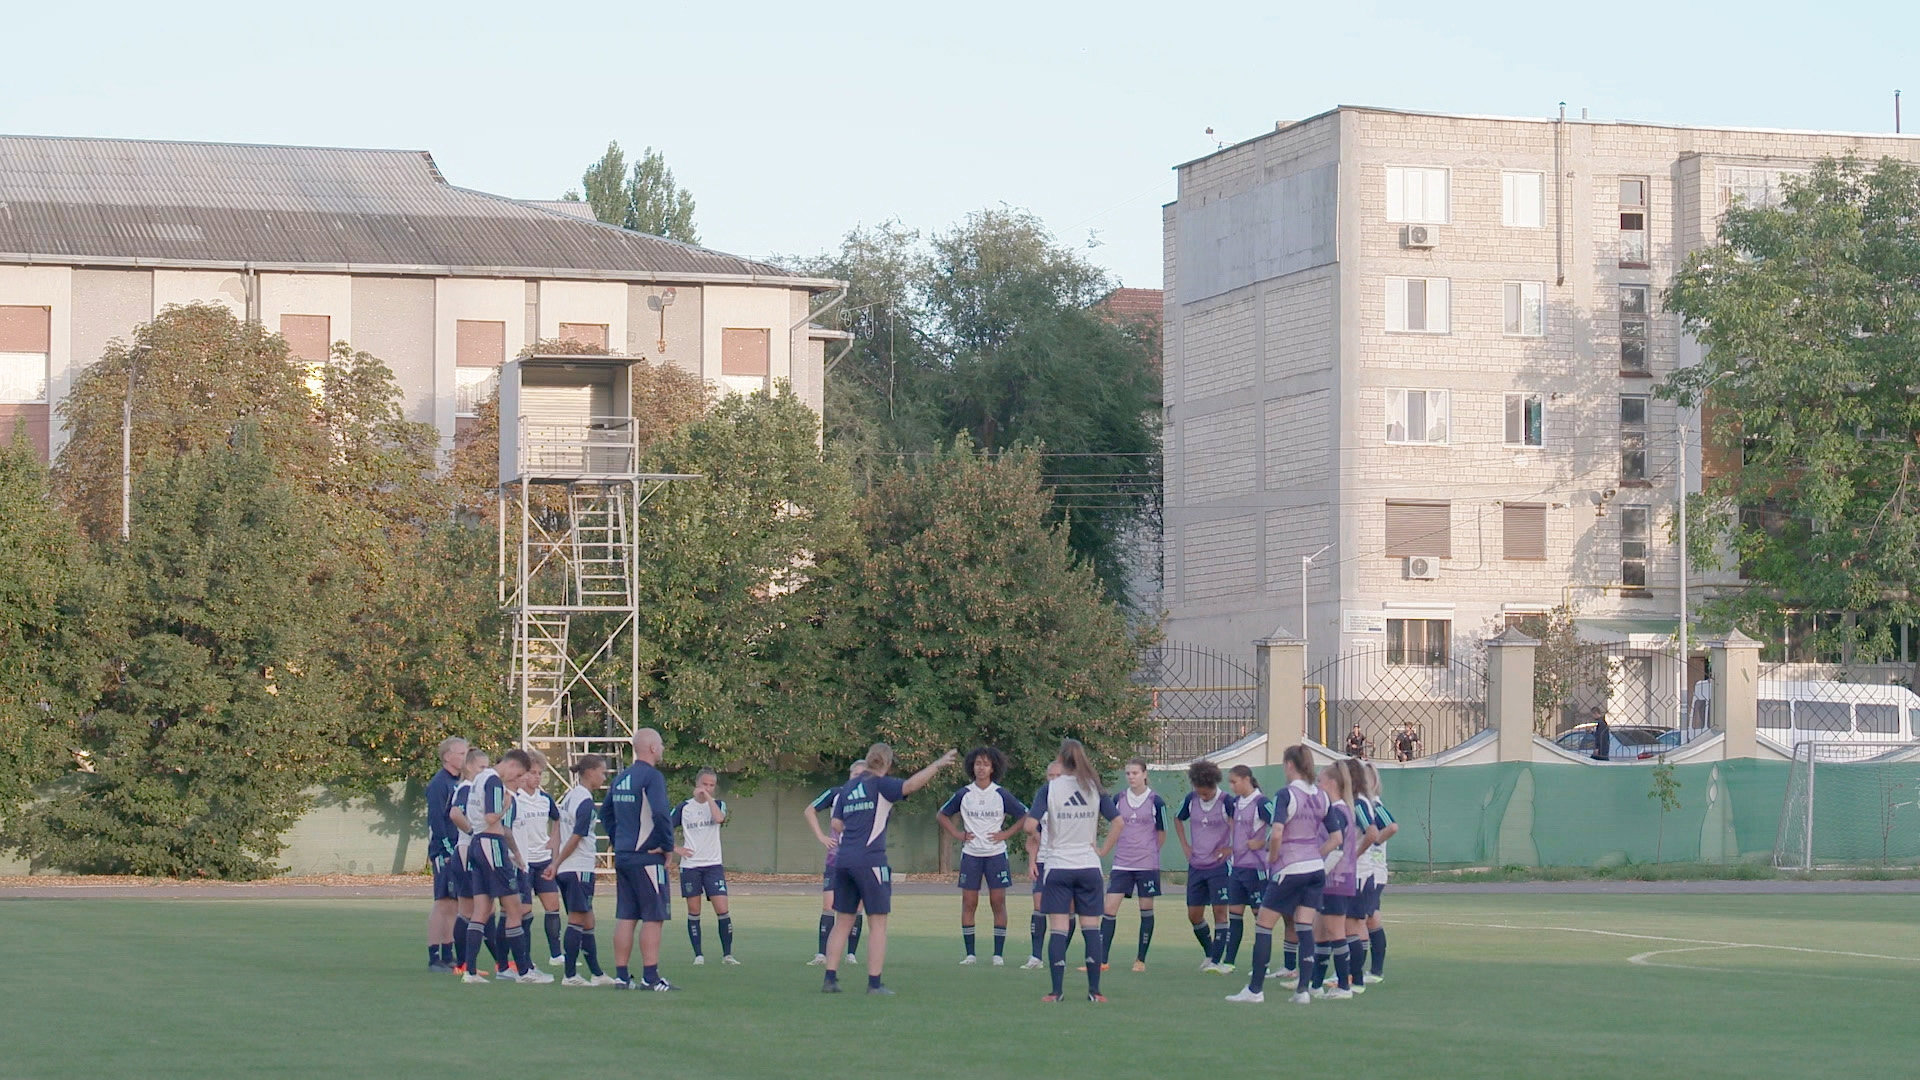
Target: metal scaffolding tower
(570, 493)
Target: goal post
(1850, 804)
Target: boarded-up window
(744, 352)
(479, 343)
(25, 340)
(1524, 531)
(584, 333)
(1419, 528)
(307, 337)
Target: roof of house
(133, 202)
(1135, 304)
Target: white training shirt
(581, 861)
(983, 812)
(703, 833)
(1070, 816)
(533, 818)
(476, 807)
(465, 839)
(1373, 862)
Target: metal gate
(1632, 685)
(1401, 711)
(1202, 701)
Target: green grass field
(1478, 986)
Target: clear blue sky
(794, 122)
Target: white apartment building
(1428, 344)
(371, 247)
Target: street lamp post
(1305, 562)
(126, 450)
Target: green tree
(1666, 792)
(228, 702)
(967, 620)
(1810, 314)
(59, 614)
(1562, 665)
(645, 199)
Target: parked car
(1631, 742)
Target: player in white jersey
(572, 870)
(1070, 808)
(1375, 950)
(477, 760)
(536, 828)
(701, 873)
(1037, 871)
(984, 807)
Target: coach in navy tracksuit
(640, 833)
(441, 851)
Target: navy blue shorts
(993, 870)
(708, 881)
(1369, 899)
(446, 878)
(855, 887)
(1295, 891)
(1207, 887)
(1074, 892)
(1039, 878)
(460, 874)
(640, 890)
(576, 892)
(1343, 905)
(1246, 885)
(1127, 882)
(537, 873)
(491, 880)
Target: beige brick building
(1431, 342)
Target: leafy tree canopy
(644, 199)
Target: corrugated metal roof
(177, 202)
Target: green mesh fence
(1521, 814)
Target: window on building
(480, 348)
(584, 333)
(25, 344)
(1745, 186)
(1633, 547)
(1522, 199)
(1526, 308)
(1526, 415)
(1633, 328)
(1523, 531)
(1633, 221)
(1417, 195)
(1419, 305)
(744, 352)
(1418, 417)
(1418, 642)
(1633, 438)
(1419, 528)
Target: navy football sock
(573, 951)
(966, 938)
(1096, 955)
(1146, 935)
(459, 938)
(999, 940)
(1205, 937)
(1262, 956)
(1057, 959)
(1378, 939)
(1305, 948)
(470, 957)
(853, 938)
(590, 949)
(1236, 931)
(725, 923)
(1038, 927)
(873, 982)
(553, 933)
(1290, 956)
(1322, 952)
(521, 949)
(622, 974)
(693, 934)
(826, 928)
(650, 974)
(494, 926)
(1108, 925)
(1357, 960)
(1342, 977)
(1220, 944)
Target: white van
(1807, 711)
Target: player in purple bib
(1251, 815)
(1136, 857)
(1343, 881)
(1205, 834)
(1305, 827)
(1360, 791)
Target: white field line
(1705, 943)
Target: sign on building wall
(1363, 622)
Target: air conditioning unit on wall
(1418, 236)
(1422, 568)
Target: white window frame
(1514, 295)
(1432, 402)
(1644, 545)
(492, 376)
(16, 385)
(1507, 419)
(1437, 317)
(1397, 178)
(1510, 200)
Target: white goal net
(1850, 804)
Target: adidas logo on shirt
(1078, 799)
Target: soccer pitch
(1503, 985)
